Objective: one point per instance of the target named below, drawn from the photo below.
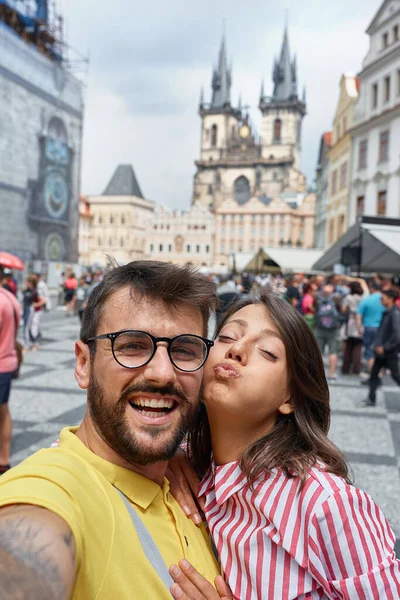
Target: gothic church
(236, 163)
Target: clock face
(55, 194)
(57, 151)
(54, 247)
(244, 131)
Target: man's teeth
(154, 402)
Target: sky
(148, 62)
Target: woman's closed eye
(269, 354)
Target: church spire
(221, 81)
(285, 72)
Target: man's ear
(82, 365)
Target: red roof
(328, 138)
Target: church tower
(282, 115)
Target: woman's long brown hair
(299, 440)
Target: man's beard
(112, 424)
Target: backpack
(327, 316)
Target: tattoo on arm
(37, 556)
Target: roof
(123, 183)
(221, 82)
(328, 138)
(380, 246)
(285, 73)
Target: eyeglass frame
(155, 340)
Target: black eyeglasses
(133, 349)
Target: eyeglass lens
(134, 348)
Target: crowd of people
(107, 511)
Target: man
(9, 322)
(327, 323)
(68, 514)
(293, 295)
(386, 345)
(369, 317)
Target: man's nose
(160, 369)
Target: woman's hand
(190, 585)
(185, 485)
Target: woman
(285, 520)
(308, 307)
(350, 331)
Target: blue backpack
(327, 316)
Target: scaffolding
(39, 23)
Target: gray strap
(149, 547)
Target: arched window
(241, 190)
(214, 135)
(277, 130)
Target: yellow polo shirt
(77, 485)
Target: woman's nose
(237, 352)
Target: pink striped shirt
(328, 541)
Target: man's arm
(37, 555)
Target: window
(214, 136)
(396, 33)
(271, 232)
(122, 219)
(375, 95)
(262, 232)
(385, 40)
(160, 247)
(282, 218)
(151, 247)
(331, 230)
(338, 131)
(207, 249)
(343, 176)
(241, 231)
(277, 130)
(387, 89)
(232, 230)
(241, 190)
(334, 182)
(360, 206)
(223, 230)
(362, 154)
(100, 219)
(188, 248)
(384, 146)
(99, 241)
(198, 249)
(169, 247)
(111, 219)
(121, 242)
(110, 242)
(381, 205)
(341, 225)
(222, 248)
(253, 231)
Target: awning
(275, 260)
(379, 240)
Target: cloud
(148, 63)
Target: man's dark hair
(172, 284)
(375, 285)
(390, 294)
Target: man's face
(119, 399)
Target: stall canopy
(275, 260)
(370, 246)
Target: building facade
(246, 229)
(339, 156)
(84, 231)
(182, 237)
(375, 188)
(235, 162)
(121, 220)
(41, 118)
(322, 181)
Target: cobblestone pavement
(46, 398)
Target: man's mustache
(146, 388)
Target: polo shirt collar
(138, 489)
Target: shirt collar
(138, 489)
(226, 480)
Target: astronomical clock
(51, 193)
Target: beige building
(84, 231)
(235, 162)
(121, 219)
(339, 155)
(278, 223)
(182, 237)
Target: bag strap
(149, 547)
(15, 316)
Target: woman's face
(245, 376)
